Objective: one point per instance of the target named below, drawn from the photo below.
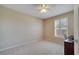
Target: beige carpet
(38, 48)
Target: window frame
(66, 28)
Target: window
(61, 27)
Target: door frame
(76, 29)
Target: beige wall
(17, 28)
(49, 27)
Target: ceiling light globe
(43, 11)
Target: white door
(76, 29)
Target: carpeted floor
(38, 48)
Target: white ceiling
(32, 9)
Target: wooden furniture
(68, 48)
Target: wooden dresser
(68, 48)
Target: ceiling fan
(43, 8)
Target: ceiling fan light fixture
(43, 8)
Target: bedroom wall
(18, 28)
(49, 27)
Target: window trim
(59, 36)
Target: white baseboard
(17, 45)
